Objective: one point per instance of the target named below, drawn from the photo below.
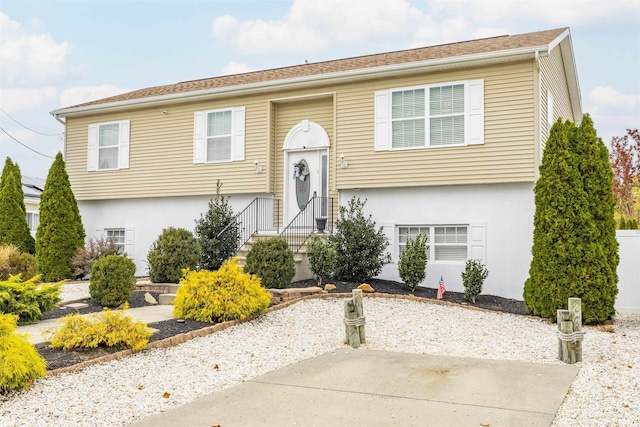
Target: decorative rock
(366, 287)
(150, 299)
(77, 305)
(329, 287)
(180, 320)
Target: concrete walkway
(148, 314)
(376, 388)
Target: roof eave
(316, 79)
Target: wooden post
(566, 327)
(352, 334)
(357, 300)
(575, 308)
(558, 321)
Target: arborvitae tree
(60, 232)
(567, 259)
(597, 176)
(220, 215)
(13, 216)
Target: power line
(29, 148)
(28, 128)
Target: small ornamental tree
(214, 250)
(322, 257)
(473, 278)
(412, 265)
(360, 247)
(624, 160)
(60, 232)
(14, 229)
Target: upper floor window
(430, 116)
(108, 146)
(219, 135)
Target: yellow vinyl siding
(506, 156)
(554, 80)
(161, 145)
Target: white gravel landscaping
(606, 391)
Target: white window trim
(237, 135)
(476, 241)
(129, 237)
(124, 127)
(33, 231)
(473, 115)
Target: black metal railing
(316, 216)
(262, 214)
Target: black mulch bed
(57, 358)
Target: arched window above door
(306, 135)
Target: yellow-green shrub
(28, 299)
(107, 329)
(217, 296)
(20, 363)
(14, 262)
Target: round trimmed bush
(272, 261)
(175, 250)
(112, 280)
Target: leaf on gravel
(166, 395)
(629, 366)
(216, 367)
(140, 387)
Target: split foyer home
(444, 140)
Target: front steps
(300, 260)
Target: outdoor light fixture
(258, 168)
(343, 163)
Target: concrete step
(173, 288)
(166, 299)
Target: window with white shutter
(446, 243)
(218, 135)
(108, 147)
(448, 114)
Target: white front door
(305, 179)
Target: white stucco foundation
(505, 210)
(148, 217)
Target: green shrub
(96, 248)
(272, 261)
(214, 251)
(412, 265)
(221, 295)
(112, 280)
(360, 248)
(106, 329)
(20, 363)
(14, 229)
(175, 250)
(473, 278)
(13, 263)
(28, 299)
(322, 257)
(60, 232)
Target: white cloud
(19, 99)
(555, 12)
(608, 96)
(81, 94)
(27, 57)
(313, 25)
(236, 68)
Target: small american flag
(441, 288)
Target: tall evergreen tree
(13, 215)
(597, 178)
(60, 232)
(568, 260)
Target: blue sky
(58, 53)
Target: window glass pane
(447, 130)
(219, 149)
(33, 219)
(117, 235)
(408, 133)
(407, 103)
(219, 123)
(446, 100)
(108, 135)
(108, 158)
(450, 253)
